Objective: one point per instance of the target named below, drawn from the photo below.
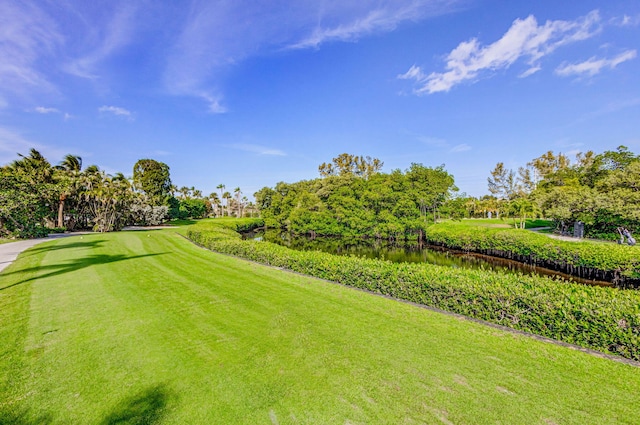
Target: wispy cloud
(40, 39)
(217, 35)
(117, 111)
(27, 35)
(610, 108)
(45, 110)
(525, 39)
(625, 21)
(460, 148)
(433, 141)
(261, 150)
(593, 65)
(105, 37)
(370, 18)
(441, 144)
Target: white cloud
(104, 39)
(380, 17)
(261, 150)
(625, 21)
(525, 39)
(216, 35)
(593, 66)
(192, 44)
(26, 36)
(116, 110)
(460, 148)
(45, 110)
(215, 107)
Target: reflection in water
(398, 252)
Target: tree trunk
(61, 211)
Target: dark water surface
(399, 252)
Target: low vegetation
(145, 327)
(616, 263)
(604, 319)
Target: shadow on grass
(147, 407)
(23, 417)
(71, 266)
(84, 244)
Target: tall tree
(502, 182)
(430, 187)
(152, 177)
(346, 164)
(221, 187)
(238, 194)
(69, 172)
(227, 197)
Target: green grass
(144, 327)
(504, 222)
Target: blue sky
(249, 93)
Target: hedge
(604, 319)
(619, 264)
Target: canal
(409, 252)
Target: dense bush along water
(398, 252)
(619, 264)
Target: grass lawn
(506, 223)
(144, 327)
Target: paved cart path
(10, 251)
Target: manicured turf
(144, 327)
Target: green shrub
(603, 319)
(587, 259)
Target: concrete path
(10, 251)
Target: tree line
(37, 197)
(353, 198)
(600, 190)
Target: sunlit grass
(144, 327)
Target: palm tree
(34, 166)
(238, 193)
(221, 187)
(69, 168)
(215, 201)
(227, 196)
(244, 203)
(70, 164)
(184, 192)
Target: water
(411, 253)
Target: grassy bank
(144, 327)
(604, 319)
